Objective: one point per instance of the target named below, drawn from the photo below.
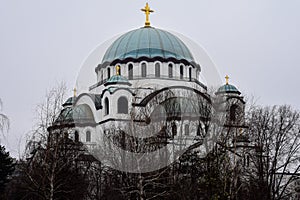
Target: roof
(177, 108)
(117, 79)
(147, 42)
(69, 101)
(228, 88)
(79, 114)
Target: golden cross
(118, 70)
(227, 78)
(147, 11)
(74, 90)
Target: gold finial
(118, 70)
(74, 90)
(147, 11)
(227, 78)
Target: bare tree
(49, 170)
(4, 121)
(276, 132)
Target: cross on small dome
(227, 78)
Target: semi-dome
(79, 114)
(147, 43)
(117, 79)
(69, 102)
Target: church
(148, 87)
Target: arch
(190, 74)
(148, 98)
(88, 136)
(130, 71)
(157, 70)
(82, 113)
(76, 136)
(197, 74)
(181, 71)
(108, 73)
(198, 130)
(233, 112)
(170, 70)
(186, 129)
(123, 105)
(174, 129)
(144, 69)
(106, 106)
(118, 69)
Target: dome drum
(147, 59)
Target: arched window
(199, 130)
(123, 105)
(157, 70)
(190, 74)
(181, 71)
(170, 68)
(130, 71)
(118, 70)
(108, 73)
(66, 135)
(106, 106)
(144, 70)
(88, 136)
(186, 129)
(174, 129)
(233, 112)
(76, 136)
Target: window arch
(181, 71)
(130, 71)
(76, 136)
(106, 106)
(186, 129)
(157, 70)
(233, 112)
(118, 69)
(197, 74)
(174, 129)
(123, 105)
(144, 70)
(88, 136)
(190, 74)
(66, 135)
(108, 73)
(170, 70)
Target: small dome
(227, 88)
(69, 102)
(147, 42)
(117, 79)
(79, 114)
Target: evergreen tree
(7, 167)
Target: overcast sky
(255, 42)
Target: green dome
(117, 79)
(79, 114)
(147, 42)
(69, 102)
(227, 88)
